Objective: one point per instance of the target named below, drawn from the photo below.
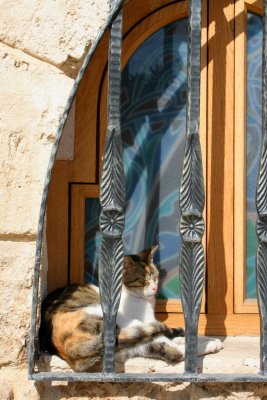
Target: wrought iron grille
(192, 197)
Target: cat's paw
(207, 345)
(173, 355)
(216, 345)
(179, 340)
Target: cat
(137, 307)
(72, 321)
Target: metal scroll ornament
(112, 197)
(261, 202)
(192, 197)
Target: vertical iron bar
(192, 197)
(261, 202)
(112, 197)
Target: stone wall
(43, 43)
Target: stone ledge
(239, 355)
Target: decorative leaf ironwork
(192, 197)
(192, 228)
(111, 266)
(191, 271)
(112, 198)
(262, 179)
(261, 229)
(261, 202)
(112, 189)
(262, 276)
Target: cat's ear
(128, 262)
(149, 253)
(130, 272)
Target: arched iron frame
(112, 192)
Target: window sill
(240, 355)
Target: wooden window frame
(241, 304)
(131, 42)
(71, 179)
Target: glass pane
(92, 239)
(253, 138)
(153, 131)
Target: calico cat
(72, 321)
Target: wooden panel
(173, 306)
(220, 157)
(241, 305)
(86, 158)
(134, 14)
(78, 195)
(217, 325)
(255, 6)
(168, 306)
(203, 125)
(240, 155)
(57, 225)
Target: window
(230, 32)
(229, 107)
(248, 145)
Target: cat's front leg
(160, 348)
(205, 345)
(124, 322)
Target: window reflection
(153, 114)
(253, 139)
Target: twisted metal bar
(112, 198)
(192, 197)
(261, 203)
(33, 330)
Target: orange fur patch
(65, 330)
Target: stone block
(55, 31)
(16, 271)
(14, 385)
(31, 106)
(6, 391)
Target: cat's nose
(154, 288)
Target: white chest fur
(132, 310)
(94, 310)
(135, 310)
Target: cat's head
(140, 275)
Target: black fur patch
(92, 324)
(174, 332)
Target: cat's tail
(137, 334)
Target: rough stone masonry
(43, 43)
